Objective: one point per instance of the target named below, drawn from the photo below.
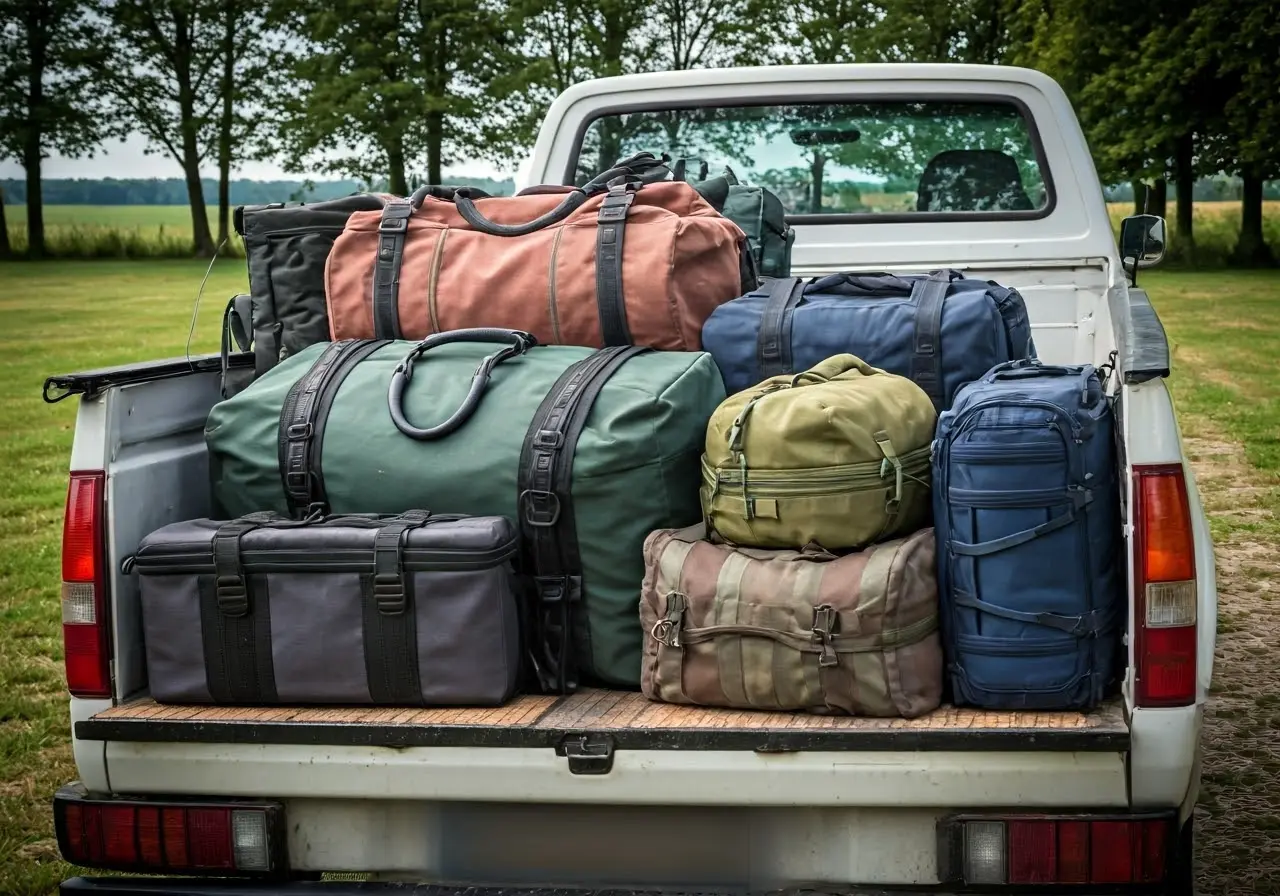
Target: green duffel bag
(587, 451)
(836, 456)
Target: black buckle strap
(926, 363)
(235, 621)
(547, 524)
(386, 272)
(389, 591)
(773, 344)
(610, 232)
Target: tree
(244, 59)
(48, 52)
(166, 77)
(379, 85)
(6, 251)
(1249, 145)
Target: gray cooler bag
(412, 610)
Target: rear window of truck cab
(875, 158)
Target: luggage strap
(773, 344)
(235, 621)
(1086, 625)
(611, 227)
(390, 624)
(237, 329)
(545, 510)
(926, 362)
(386, 270)
(996, 545)
(303, 417)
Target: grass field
(164, 231)
(60, 318)
(115, 231)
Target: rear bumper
(117, 886)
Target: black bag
(408, 610)
(286, 246)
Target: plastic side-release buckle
(388, 594)
(539, 508)
(232, 596)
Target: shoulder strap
(545, 505)
(926, 362)
(610, 230)
(303, 417)
(235, 621)
(390, 622)
(773, 344)
(386, 271)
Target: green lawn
(115, 231)
(61, 317)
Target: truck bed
(627, 718)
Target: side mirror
(1142, 240)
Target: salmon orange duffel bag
(618, 262)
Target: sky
(128, 159)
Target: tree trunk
(815, 202)
(1252, 248)
(6, 252)
(1139, 198)
(435, 146)
(398, 185)
(1185, 174)
(1158, 198)
(201, 236)
(224, 125)
(37, 38)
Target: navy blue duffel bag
(942, 330)
(1027, 517)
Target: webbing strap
(386, 272)
(390, 623)
(996, 545)
(610, 230)
(926, 362)
(546, 517)
(236, 621)
(303, 417)
(1080, 626)
(773, 344)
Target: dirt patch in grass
(1238, 821)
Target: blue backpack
(942, 330)
(1027, 517)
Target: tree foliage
(49, 51)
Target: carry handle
(448, 194)
(471, 214)
(520, 341)
(1027, 368)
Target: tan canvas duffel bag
(625, 263)
(787, 630)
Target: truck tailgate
(627, 719)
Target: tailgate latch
(588, 753)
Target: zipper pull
(826, 622)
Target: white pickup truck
(601, 790)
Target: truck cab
(603, 789)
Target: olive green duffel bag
(586, 451)
(836, 456)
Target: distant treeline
(173, 191)
(1207, 189)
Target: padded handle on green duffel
(520, 341)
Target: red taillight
(84, 582)
(1165, 585)
(149, 836)
(1028, 850)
